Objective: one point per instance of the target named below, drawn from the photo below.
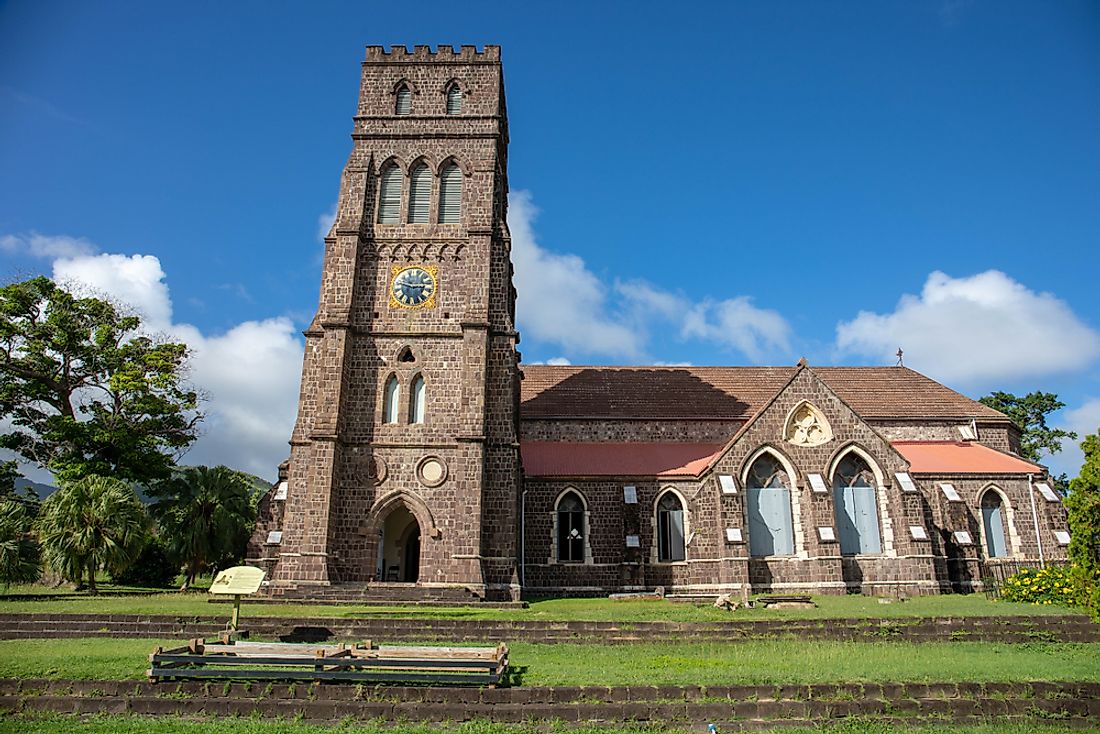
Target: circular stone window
(432, 471)
(376, 469)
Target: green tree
(85, 391)
(92, 524)
(1083, 509)
(1029, 413)
(206, 515)
(20, 560)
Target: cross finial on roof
(802, 363)
(901, 357)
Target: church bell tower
(404, 463)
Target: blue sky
(724, 183)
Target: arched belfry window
(569, 516)
(420, 194)
(856, 506)
(389, 195)
(670, 528)
(450, 195)
(454, 100)
(391, 400)
(403, 105)
(993, 523)
(768, 496)
(417, 402)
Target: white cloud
(980, 328)
(250, 373)
(1083, 421)
(325, 222)
(562, 302)
(45, 246)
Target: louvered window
(390, 400)
(670, 529)
(419, 402)
(454, 100)
(768, 495)
(420, 194)
(404, 101)
(856, 507)
(450, 195)
(389, 196)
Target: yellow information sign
(237, 580)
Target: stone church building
(428, 460)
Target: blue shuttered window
(420, 194)
(854, 495)
(768, 496)
(389, 196)
(454, 100)
(450, 195)
(994, 525)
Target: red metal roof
(559, 459)
(951, 457)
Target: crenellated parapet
(425, 54)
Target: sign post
(237, 582)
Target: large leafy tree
(206, 515)
(85, 391)
(1083, 508)
(1029, 413)
(92, 524)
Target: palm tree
(92, 524)
(20, 561)
(206, 515)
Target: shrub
(1062, 585)
(154, 567)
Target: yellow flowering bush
(1051, 585)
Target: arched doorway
(399, 547)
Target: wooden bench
(362, 662)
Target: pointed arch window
(403, 105)
(570, 514)
(768, 496)
(993, 523)
(418, 402)
(670, 528)
(420, 194)
(454, 100)
(450, 195)
(856, 506)
(389, 195)
(391, 400)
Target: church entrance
(399, 547)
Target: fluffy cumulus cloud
(249, 374)
(562, 302)
(975, 330)
(45, 246)
(1082, 420)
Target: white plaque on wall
(962, 537)
(817, 483)
(275, 537)
(826, 534)
(918, 532)
(633, 541)
(733, 535)
(906, 482)
(1046, 491)
(630, 495)
(729, 484)
(280, 491)
(1062, 537)
(950, 493)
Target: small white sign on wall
(630, 494)
(280, 491)
(729, 484)
(275, 537)
(950, 492)
(817, 483)
(1062, 537)
(962, 537)
(633, 541)
(826, 534)
(906, 482)
(918, 532)
(1046, 491)
(733, 535)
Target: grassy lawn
(763, 662)
(140, 725)
(600, 609)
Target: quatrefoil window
(806, 426)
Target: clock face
(413, 287)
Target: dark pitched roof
(730, 393)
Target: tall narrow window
(856, 507)
(389, 196)
(417, 404)
(391, 400)
(454, 100)
(670, 528)
(420, 194)
(993, 522)
(450, 195)
(570, 520)
(768, 494)
(404, 101)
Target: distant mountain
(42, 490)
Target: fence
(995, 574)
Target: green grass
(600, 609)
(760, 662)
(55, 724)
